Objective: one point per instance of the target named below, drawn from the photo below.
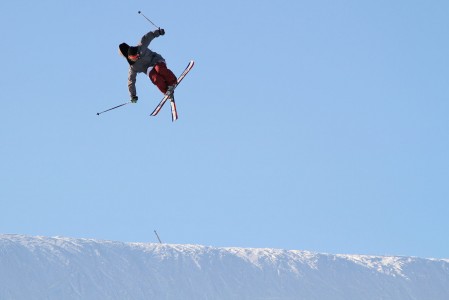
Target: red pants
(162, 77)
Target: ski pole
(158, 237)
(113, 108)
(140, 13)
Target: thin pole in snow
(157, 235)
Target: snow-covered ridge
(69, 268)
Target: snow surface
(68, 268)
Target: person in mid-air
(143, 60)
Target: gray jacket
(147, 59)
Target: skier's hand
(161, 31)
(134, 99)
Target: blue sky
(312, 125)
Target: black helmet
(132, 51)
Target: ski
(172, 100)
(174, 112)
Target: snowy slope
(67, 268)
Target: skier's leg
(167, 74)
(158, 80)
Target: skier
(143, 60)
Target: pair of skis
(174, 112)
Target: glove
(161, 31)
(134, 99)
